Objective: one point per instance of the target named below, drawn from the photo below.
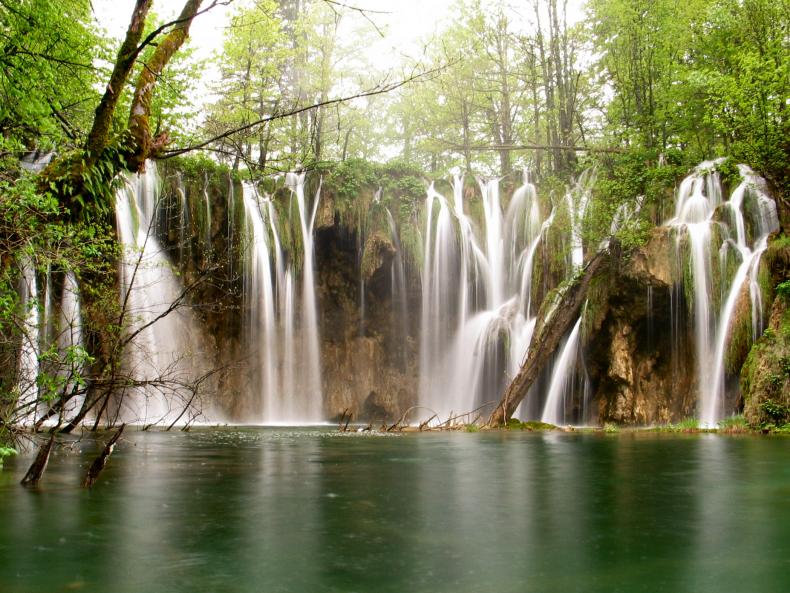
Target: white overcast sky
(408, 25)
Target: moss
(597, 305)
(377, 245)
(729, 173)
(530, 425)
(199, 165)
(740, 335)
(765, 376)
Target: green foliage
(687, 425)
(197, 165)
(623, 179)
(707, 76)
(777, 413)
(64, 371)
(36, 228)
(6, 452)
(610, 428)
(530, 425)
(729, 173)
(734, 424)
(47, 74)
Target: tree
(252, 65)
(47, 77)
(61, 217)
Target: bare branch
(379, 90)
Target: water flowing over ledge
(430, 306)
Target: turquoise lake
(313, 510)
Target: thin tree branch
(386, 88)
(537, 147)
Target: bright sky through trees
(407, 25)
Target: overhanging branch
(379, 90)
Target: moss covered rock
(765, 376)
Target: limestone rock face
(369, 353)
(640, 353)
(653, 264)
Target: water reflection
(248, 510)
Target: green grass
(516, 424)
(734, 424)
(688, 425)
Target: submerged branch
(100, 462)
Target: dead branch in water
(36, 470)
(100, 462)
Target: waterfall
(28, 365)
(577, 199)
(260, 292)
(398, 288)
(160, 359)
(699, 199)
(312, 384)
(69, 340)
(554, 411)
(477, 315)
(283, 321)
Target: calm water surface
(279, 510)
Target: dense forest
(640, 90)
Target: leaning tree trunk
(557, 315)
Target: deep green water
(270, 510)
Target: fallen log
(556, 317)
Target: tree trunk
(125, 61)
(139, 124)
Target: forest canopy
(500, 85)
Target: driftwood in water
(345, 419)
(555, 318)
(38, 466)
(101, 461)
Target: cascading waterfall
(312, 384)
(554, 411)
(477, 315)
(577, 200)
(284, 322)
(28, 366)
(398, 287)
(699, 201)
(69, 338)
(160, 359)
(477, 321)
